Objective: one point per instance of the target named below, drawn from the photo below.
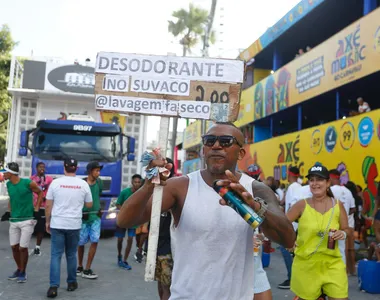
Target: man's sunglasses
(224, 140)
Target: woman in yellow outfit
(316, 268)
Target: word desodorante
(186, 109)
(220, 70)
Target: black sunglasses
(224, 140)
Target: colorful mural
(351, 146)
(347, 56)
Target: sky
(78, 29)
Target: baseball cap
(12, 168)
(294, 171)
(318, 170)
(70, 162)
(93, 165)
(253, 170)
(334, 173)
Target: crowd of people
(68, 208)
(297, 199)
(205, 249)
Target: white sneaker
(89, 274)
(37, 251)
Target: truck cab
(85, 140)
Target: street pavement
(113, 282)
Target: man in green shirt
(91, 222)
(120, 232)
(22, 216)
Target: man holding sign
(212, 243)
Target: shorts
(164, 267)
(320, 273)
(377, 216)
(142, 228)
(261, 283)
(90, 232)
(21, 232)
(41, 222)
(120, 232)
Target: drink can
(233, 200)
(331, 241)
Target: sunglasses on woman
(224, 140)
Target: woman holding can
(318, 266)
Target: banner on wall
(192, 135)
(349, 55)
(293, 16)
(110, 117)
(350, 145)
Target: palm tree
(190, 26)
(209, 36)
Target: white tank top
(212, 247)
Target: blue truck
(85, 140)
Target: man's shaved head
(221, 158)
(233, 130)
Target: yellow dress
(323, 271)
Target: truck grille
(103, 205)
(106, 183)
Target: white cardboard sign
(175, 67)
(199, 88)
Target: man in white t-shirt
(344, 195)
(290, 200)
(303, 193)
(280, 190)
(363, 106)
(64, 203)
(292, 190)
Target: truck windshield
(57, 146)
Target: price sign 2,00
(215, 96)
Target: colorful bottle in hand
(233, 200)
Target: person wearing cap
(43, 181)
(91, 222)
(120, 232)
(344, 195)
(290, 200)
(280, 188)
(322, 220)
(22, 216)
(64, 203)
(254, 171)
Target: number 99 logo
(347, 135)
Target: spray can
(233, 200)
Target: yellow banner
(349, 55)
(110, 117)
(350, 145)
(251, 51)
(192, 135)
